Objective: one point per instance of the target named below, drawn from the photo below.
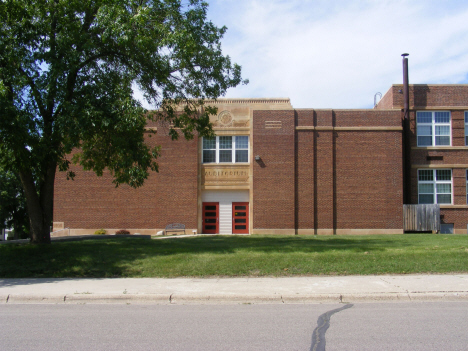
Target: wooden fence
(421, 218)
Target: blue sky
(339, 53)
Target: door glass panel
(240, 226)
(240, 220)
(210, 208)
(237, 208)
(210, 227)
(210, 214)
(210, 220)
(240, 213)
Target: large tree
(67, 69)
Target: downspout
(406, 135)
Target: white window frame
(433, 125)
(434, 182)
(233, 157)
(466, 128)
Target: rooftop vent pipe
(379, 94)
(405, 85)
(406, 135)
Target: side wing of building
(270, 170)
(438, 142)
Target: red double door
(240, 217)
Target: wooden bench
(174, 227)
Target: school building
(274, 169)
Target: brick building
(273, 169)
(438, 148)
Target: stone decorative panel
(225, 175)
(225, 119)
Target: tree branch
(53, 52)
(36, 94)
(71, 80)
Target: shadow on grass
(120, 257)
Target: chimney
(406, 135)
(405, 85)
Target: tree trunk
(40, 206)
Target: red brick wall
(325, 171)
(456, 216)
(306, 168)
(349, 179)
(426, 95)
(273, 177)
(459, 189)
(450, 156)
(369, 180)
(168, 196)
(367, 118)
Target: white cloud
(338, 54)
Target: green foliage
(13, 213)
(67, 69)
(100, 232)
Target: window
(209, 150)
(446, 228)
(435, 186)
(242, 149)
(226, 149)
(433, 128)
(466, 127)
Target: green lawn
(233, 256)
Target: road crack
(323, 323)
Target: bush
(100, 232)
(122, 231)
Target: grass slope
(238, 256)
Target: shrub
(100, 232)
(122, 231)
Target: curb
(183, 299)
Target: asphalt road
(372, 326)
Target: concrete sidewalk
(237, 290)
